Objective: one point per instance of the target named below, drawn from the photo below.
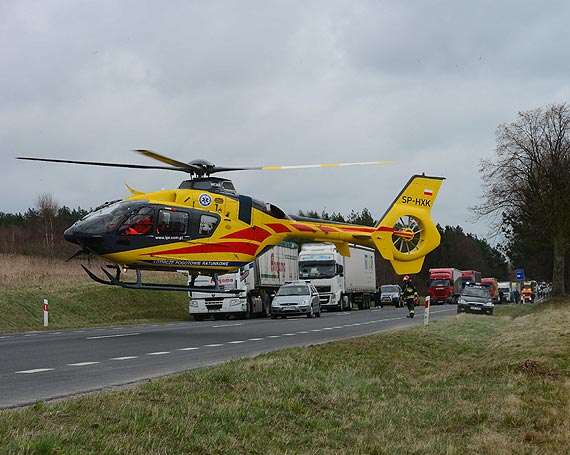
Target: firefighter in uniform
(410, 295)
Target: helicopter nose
(70, 235)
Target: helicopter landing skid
(116, 281)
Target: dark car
(294, 299)
(475, 299)
(391, 294)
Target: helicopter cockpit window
(207, 224)
(228, 186)
(172, 223)
(139, 222)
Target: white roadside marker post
(45, 312)
(426, 311)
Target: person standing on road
(410, 295)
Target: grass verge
(75, 300)
(466, 385)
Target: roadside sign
(520, 274)
(46, 307)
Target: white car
(296, 298)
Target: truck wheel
(266, 304)
(247, 313)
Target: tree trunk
(558, 267)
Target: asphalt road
(42, 366)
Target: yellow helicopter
(206, 227)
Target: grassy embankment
(468, 385)
(74, 299)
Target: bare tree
(47, 209)
(528, 181)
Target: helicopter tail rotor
(406, 232)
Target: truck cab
(323, 266)
(445, 285)
(342, 281)
(493, 288)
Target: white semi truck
(342, 281)
(258, 281)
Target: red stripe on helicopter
(327, 229)
(222, 247)
(357, 229)
(385, 229)
(278, 228)
(256, 234)
(303, 227)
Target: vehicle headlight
(304, 302)
(489, 304)
(275, 302)
(462, 301)
(194, 303)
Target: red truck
(492, 286)
(445, 285)
(470, 277)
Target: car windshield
(389, 288)
(293, 290)
(440, 282)
(475, 292)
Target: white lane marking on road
(127, 357)
(274, 336)
(304, 331)
(254, 339)
(213, 345)
(187, 349)
(82, 364)
(37, 370)
(288, 334)
(113, 336)
(9, 336)
(236, 342)
(158, 353)
(227, 325)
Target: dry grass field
(17, 271)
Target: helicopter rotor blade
(97, 163)
(175, 164)
(198, 167)
(308, 166)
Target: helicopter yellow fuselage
(239, 229)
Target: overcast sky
(249, 83)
